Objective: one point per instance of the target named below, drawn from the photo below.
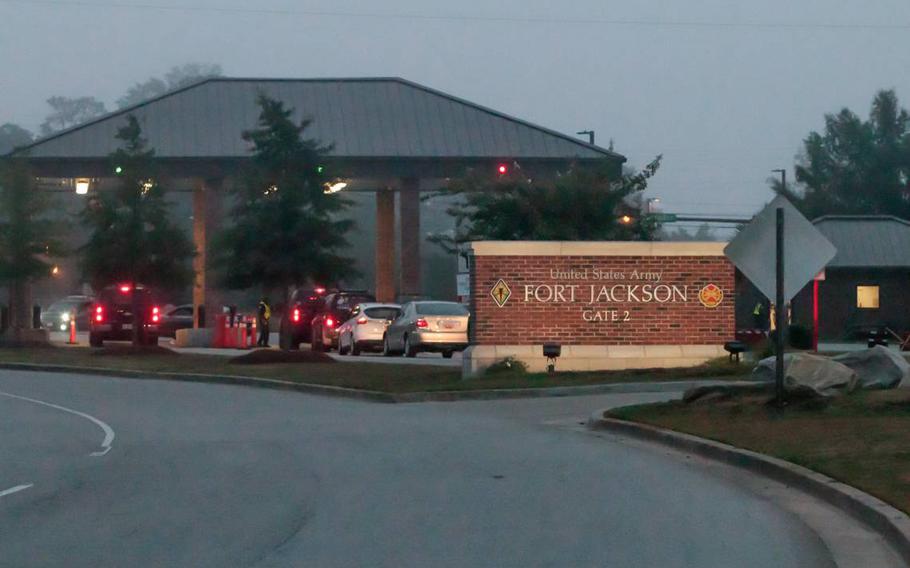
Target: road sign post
(780, 339)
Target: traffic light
(503, 169)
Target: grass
(862, 439)
(389, 378)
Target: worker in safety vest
(758, 316)
(263, 315)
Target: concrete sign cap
(754, 250)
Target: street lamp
(590, 134)
(626, 219)
(82, 185)
(649, 203)
(783, 178)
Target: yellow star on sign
(501, 293)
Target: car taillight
(296, 316)
(329, 322)
(362, 320)
(125, 288)
(156, 314)
(421, 323)
(319, 290)
(99, 313)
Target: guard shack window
(867, 297)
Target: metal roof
(867, 241)
(363, 118)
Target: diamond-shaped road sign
(754, 250)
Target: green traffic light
(320, 169)
(118, 170)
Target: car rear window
(348, 302)
(382, 313)
(441, 309)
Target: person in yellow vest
(263, 315)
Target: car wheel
(355, 349)
(386, 348)
(447, 354)
(95, 340)
(342, 349)
(409, 350)
(315, 343)
(284, 341)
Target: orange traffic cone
(243, 337)
(253, 335)
(72, 340)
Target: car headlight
(65, 316)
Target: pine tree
(132, 237)
(26, 238)
(285, 229)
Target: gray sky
(725, 101)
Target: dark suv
(335, 310)
(111, 317)
(299, 313)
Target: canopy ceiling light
(335, 187)
(82, 185)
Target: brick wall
(622, 320)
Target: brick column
(206, 220)
(385, 245)
(409, 221)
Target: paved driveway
(206, 475)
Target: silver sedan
(366, 327)
(440, 327)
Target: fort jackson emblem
(711, 296)
(501, 293)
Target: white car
(366, 327)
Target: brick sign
(633, 293)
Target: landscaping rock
(809, 374)
(878, 367)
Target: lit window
(867, 297)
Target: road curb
(309, 388)
(891, 524)
(377, 396)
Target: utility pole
(590, 134)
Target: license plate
(449, 324)
(127, 326)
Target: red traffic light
(502, 169)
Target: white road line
(15, 489)
(108, 431)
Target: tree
(581, 204)
(856, 166)
(26, 239)
(68, 112)
(178, 76)
(285, 231)
(13, 136)
(132, 239)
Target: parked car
(179, 317)
(59, 315)
(366, 327)
(440, 327)
(335, 310)
(112, 315)
(298, 317)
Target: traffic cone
(253, 336)
(72, 340)
(243, 335)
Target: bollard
(249, 331)
(253, 335)
(72, 340)
(243, 334)
(200, 316)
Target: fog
(725, 90)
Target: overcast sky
(725, 90)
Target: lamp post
(590, 134)
(783, 178)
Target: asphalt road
(155, 473)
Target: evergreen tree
(132, 238)
(585, 203)
(856, 166)
(26, 238)
(285, 229)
